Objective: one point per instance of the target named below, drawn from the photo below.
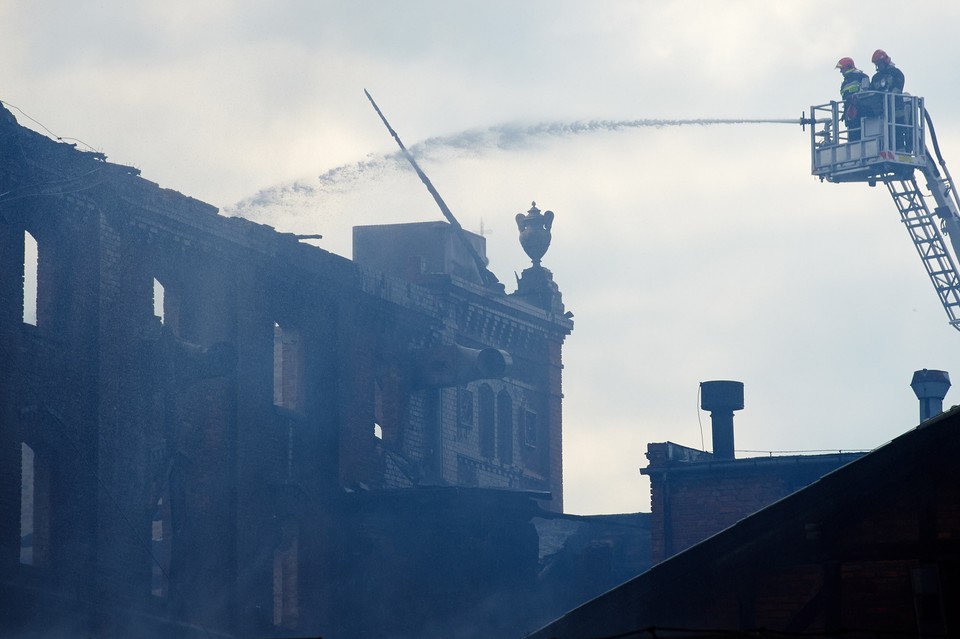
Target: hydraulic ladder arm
(927, 233)
(940, 185)
(892, 149)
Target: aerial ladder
(890, 146)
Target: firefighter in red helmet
(888, 77)
(854, 81)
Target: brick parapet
(694, 496)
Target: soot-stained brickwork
(182, 467)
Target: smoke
(472, 142)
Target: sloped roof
(673, 592)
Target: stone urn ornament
(535, 232)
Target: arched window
(30, 261)
(505, 427)
(486, 421)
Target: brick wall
(694, 497)
(140, 435)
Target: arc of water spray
(515, 132)
(614, 125)
(505, 136)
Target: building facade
(187, 398)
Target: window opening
(26, 504)
(158, 299)
(466, 408)
(487, 421)
(505, 427)
(160, 544)
(379, 416)
(286, 605)
(530, 428)
(287, 368)
(30, 262)
(34, 507)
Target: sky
(687, 252)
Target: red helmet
(845, 64)
(880, 56)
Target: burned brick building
(195, 408)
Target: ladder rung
(925, 233)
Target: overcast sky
(687, 253)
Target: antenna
(489, 279)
